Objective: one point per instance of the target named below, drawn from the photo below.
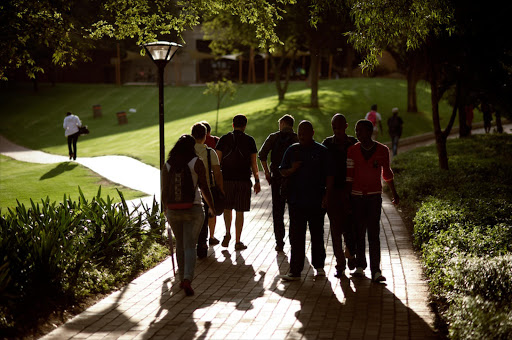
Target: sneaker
(213, 241)
(359, 272)
(225, 241)
(377, 277)
(290, 277)
(351, 262)
(187, 287)
(320, 272)
(240, 246)
(279, 249)
(340, 274)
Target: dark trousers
(72, 139)
(203, 234)
(366, 212)
(278, 207)
(342, 227)
(394, 144)
(300, 218)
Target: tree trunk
(442, 154)
(277, 77)
(499, 125)
(460, 94)
(313, 73)
(412, 81)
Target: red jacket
(365, 175)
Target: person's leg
(349, 238)
(191, 228)
(374, 204)
(70, 141)
(176, 223)
(212, 222)
(394, 141)
(359, 215)
(75, 140)
(239, 224)
(227, 222)
(316, 218)
(278, 207)
(202, 247)
(298, 226)
(335, 222)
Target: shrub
(481, 303)
(71, 250)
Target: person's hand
(211, 213)
(257, 187)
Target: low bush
(480, 302)
(56, 254)
(462, 223)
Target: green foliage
(463, 226)
(72, 250)
(481, 303)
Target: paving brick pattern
(239, 295)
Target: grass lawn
(35, 119)
(22, 181)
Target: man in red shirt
(367, 162)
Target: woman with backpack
(182, 175)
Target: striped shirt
(365, 175)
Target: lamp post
(161, 52)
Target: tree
(220, 89)
(456, 38)
(35, 34)
(64, 29)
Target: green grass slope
(34, 119)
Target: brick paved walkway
(239, 296)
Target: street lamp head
(161, 51)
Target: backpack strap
(209, 166)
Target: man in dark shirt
(395, 129)
(338, 207)
(237, 155)
(308, 170)
(276, 144)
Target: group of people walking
(340, 176)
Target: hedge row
(462, 222)
(52, 255)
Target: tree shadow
(223, 281)
(58, 170)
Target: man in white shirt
(199, 133)
(71, 125)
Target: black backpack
(283, 141)
(179, 190)
(235, 165)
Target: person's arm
(286, 168)
(387, 175)
(203, 185)
(254, 167)
(164, 174)
(217, 174)
(263, 155)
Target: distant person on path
(307, 167)
(395, 129)
(71, 125)
(237, 155)
(367, 161)
(211, 141)
(276, 144)
(376, 119)
(199, 134)
(338, 204)
(185, 219)
(487, 112)
(469, 117)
